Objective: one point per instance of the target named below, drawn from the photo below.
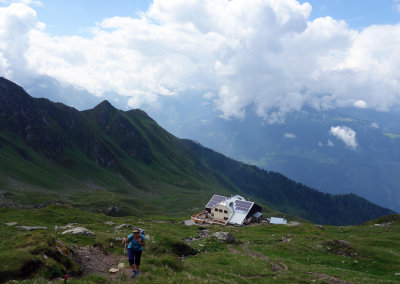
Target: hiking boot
(133, 274)
(137, 273)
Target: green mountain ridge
(105, 157)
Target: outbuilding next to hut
(276, 220)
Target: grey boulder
(79, 231)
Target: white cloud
(16, 23)
(290, 135)
(209, 95)
(329, 144)
(346, 134)
(374, 125)
(360, 104)
(266, 56)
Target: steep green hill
(104, 157)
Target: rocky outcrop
(123, 226)
(341, 247)
(224, 236)
(112, 211)
(202, 234)
(28, 228)
(66, 227)
(79, 231)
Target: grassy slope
(313, 253)
(171, 182)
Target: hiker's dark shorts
(134, 256)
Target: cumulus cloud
(16, 24)
(360, 104)
(290, 135)
(346, 134)
(265, 56)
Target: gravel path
(94, 261)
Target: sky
(358, 14)
(267, 56)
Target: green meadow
(261, 253)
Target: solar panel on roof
(215, 200)
(244, 206)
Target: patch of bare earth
(94, 261)
(328, 278)
(276, 266)
(254, 254)
(232, 250)
(255, 277)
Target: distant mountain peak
(2, 79)
(105, 110)
(7, 85)
(105, 105)
(11, 92)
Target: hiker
(136, 244)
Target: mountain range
(105, 158)
(302, 147)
